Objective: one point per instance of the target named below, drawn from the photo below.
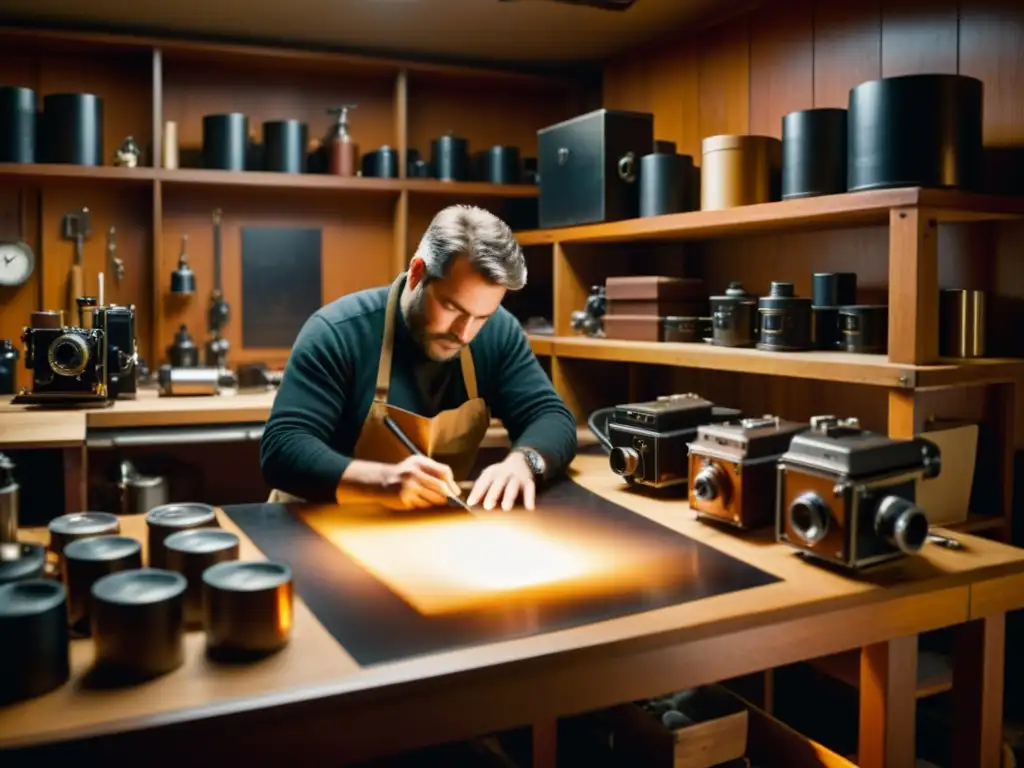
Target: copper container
(739, 170)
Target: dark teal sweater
(329, 381)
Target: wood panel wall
(743, 75)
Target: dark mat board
(375, 625)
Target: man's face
(444, 315)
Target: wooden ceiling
(485, 30)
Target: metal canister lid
(739, 141)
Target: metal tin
(17, 124)
(916, 131)
(34, 656)
(247, 608)
(785, 320)
(739, 170)
(85, 562)
(499, 165)
(381, 163)
(138, 625)
(449, 157)
(687, 330)
(864, 329)
(225, 141)
(21, 561)
(734, 318)
(80, 525)
(171, 518)
(961, 323)
(665, 183)
(284, 146)
(190, 553)
(824, 327)
(72, 129)
(833, 289)
(813, 153)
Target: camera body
(81, 364)
(846, 495)
(732, 469)
(649, 440)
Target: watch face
(16, 263)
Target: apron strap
(468, 372)
(387, 347)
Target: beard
(416, 320)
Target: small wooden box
(656, 296)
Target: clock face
(16, 264)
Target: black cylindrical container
(813, 153)
(17, 124)
(284, 146)
(381, 163)
(833, 289)
(734, 318)
(665, 184)
(225, 141)
(865, 329)
(190, 553)
(825, 327)
(138, 624)
(687, 330)
(73, 128)
(449, 157)
(21, 561)
(915, 130)
(85, 562)
(785, 320)
(247, 608)
(500, 165)
(34, 655)
(171, 518)
(80, 525)
(9, 355)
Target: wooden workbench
(314, 700)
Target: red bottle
(341, 149)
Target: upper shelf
(849, 209)
(41, 173)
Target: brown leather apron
(452, 437)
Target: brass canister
(739, 170)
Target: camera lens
(808, 517)
(68, 355)
(710, 483)
(901, 523)
(624, 461)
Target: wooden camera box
(732, 469)
(846, 495)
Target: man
(437, 354)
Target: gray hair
(486, 240)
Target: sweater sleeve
(527, 404)
(295, 454)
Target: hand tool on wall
(183, 279)
(115, 263)
(217, 346)
(77, 226)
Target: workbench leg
(545, 743)
(888, 704)
(978, 663)
(75, 496)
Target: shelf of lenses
(133, 588)
(832, 490)
(828, 336)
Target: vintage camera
(732, 469)
(846, 495)
(94, 361)
(648, 440)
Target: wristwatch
(534, 461)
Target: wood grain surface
(316, 695)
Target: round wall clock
(17, 263)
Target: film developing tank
(785, 320)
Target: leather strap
(387, 349)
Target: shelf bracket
(913, 286)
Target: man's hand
(418, 482)
(504, 482)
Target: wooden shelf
(43, 173)
(976, 524)
(821, 366)
(851, 209)
(934, 672)
(542, 345)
